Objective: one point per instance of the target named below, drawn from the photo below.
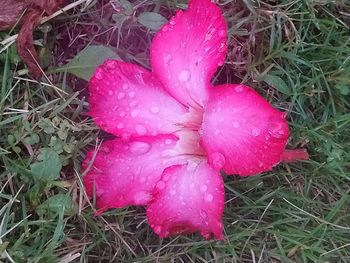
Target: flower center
(188, 134)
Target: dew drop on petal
(222, 47)
(155, 109)
(209, 197)
(158, 229)
(142, 197)
(120, 125)
(238, 88)
(203, 214)
(134, 113)
(185, 75)
(99, 74)
(110, 64)
(204, 188)
(160, 185)
(142, 179)
(125, 136)
(140, 129)
(168, 141)
(222, 33)
(218, 160)
(167, 58)
(139, 148)
(132, 94)
(276, 129)
(236, 124)
(255, 132)
(133, 103)
(165, 28)
(121, 95)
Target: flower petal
(241, 132)
(125, 173)
(189, 198)
(187, 51)
(129, 101)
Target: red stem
(293, 155)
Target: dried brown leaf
(10, 12)
(33, 11)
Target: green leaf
(87, 60)
(31, 139)
(56, 204)
(48, 167)
(151, 20)
(343, 88)
(124, 6)
(277, 83)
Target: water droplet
(158, 229)
(154, 109)
(165, 28)
(140, 129)
(133, 103)
(140, 147)
(218, 160)
(125, 136)
(222, 47)
(204, 216)
(209, 197)
(239, 88)
(134, 113)
(255, 132)
(142, 197)
(120, 125)
(172, 192)
(121, 95)
(221, 62)
(110, 92)
(125, 86)
(132, 94)
(142, 179)
(276, 129)
(184, 75)
(168, 141)
(122, 114)
(208, 36)
(236, 124)
(166, 177)
(99, 74)
(191, 166)
(110, 64)
(160, 185)
(204, 188)
(222, 33)
(167, 58)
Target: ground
(294, 53)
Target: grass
(298, 212)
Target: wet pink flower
(175, 131)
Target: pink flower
(175, 131)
